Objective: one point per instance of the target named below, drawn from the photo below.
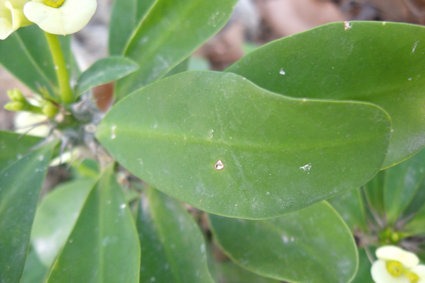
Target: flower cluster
(395, 265)
(52, 16)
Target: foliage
(300, 157)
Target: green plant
(260, 147)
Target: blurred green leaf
(34, 271)
(104, 71)
(311, 245)
(173, 248)
(229, 272)
(416, 224)
(374, 196)
(279, 154)
(403, 186)
(126, 16)
(12, 148)
(103, 246)
(26, 55)
(382, 63)
(170, 32)
(350, 208)
(55, 217)
(363, 274)
(20, 186)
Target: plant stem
(60, 67)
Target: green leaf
(173, 248)
(56, 216)
(403, 187)
(170, 32)
(26, 55)
(229, 272)
(34, 271)
(279, 154)
(103, 246)
(104, 71)
(374, 195)
(20, 186)
(416, 225)
(350, 208)
(125, 17)
(311, 245)
(382, 63)
(12, 148)
(363, 273)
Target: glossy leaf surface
(311, 245)
(103, 246)
(20, 186)
(169, 33)
(26, 55)
(173, 248)
(382, 63)
(13, 148)
(55, 217)
(126, 16)
(104, 71)
(279, 154)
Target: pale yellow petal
(407, 259)
(420, 271)
(71, 17)
(380, 274)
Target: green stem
(60, 67)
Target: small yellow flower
(395, 265)
(11, 17)
(60, 16)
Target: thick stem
(60, 67)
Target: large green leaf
(103, 246)
(311, 245)
(125, 17)
(168, 34)
(350, 208)
(27, 56)
(382, 63)
(20, 186)
(104, 71)
(56, 216)
(12, 148)
(279, 154)
(173, 248)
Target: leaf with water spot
(381, 63)
(224, 145)
(103, 246)
(169, 33)
(173, 248)
(20, 186)
(312, 245)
